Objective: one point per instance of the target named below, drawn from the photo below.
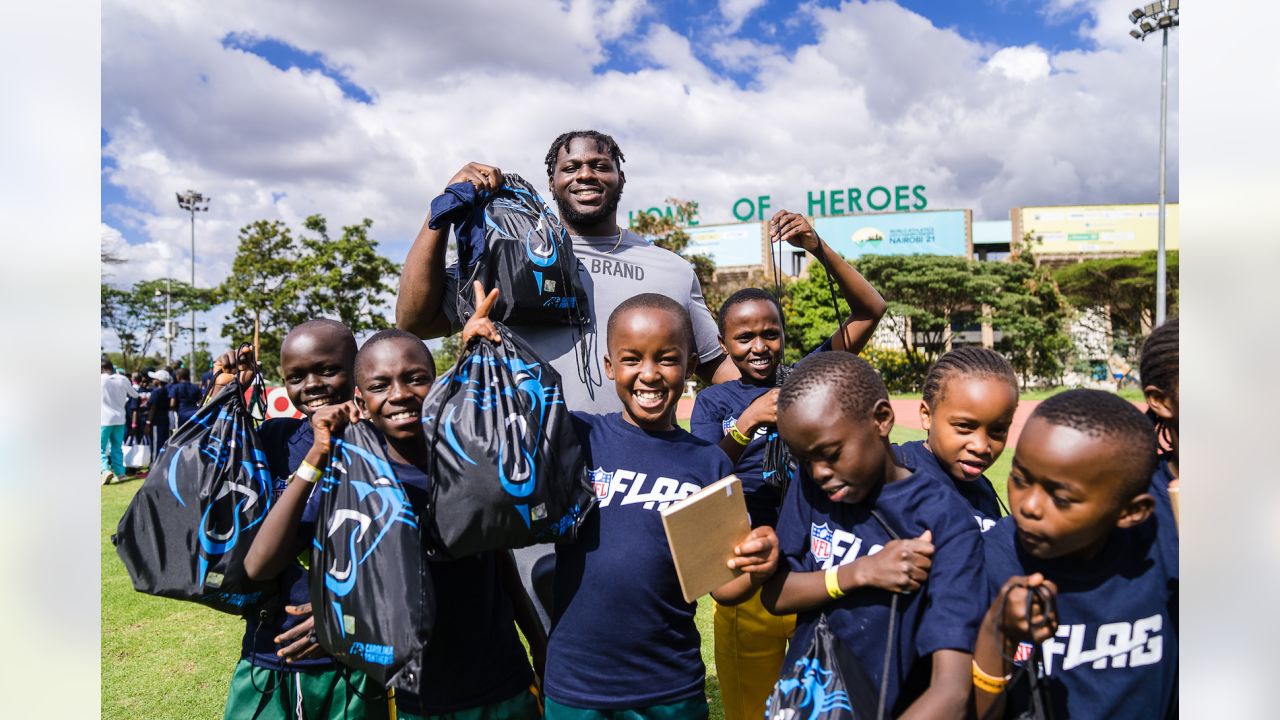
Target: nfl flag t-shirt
(978, 492)
(1115, 653)
(622, 635)
(718, 407)
(816, 534)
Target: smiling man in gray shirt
(584, 170)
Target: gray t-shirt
(611, 270)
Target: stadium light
(1165, 14)
(193, 202)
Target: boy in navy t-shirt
(740, 416)
(184, 396)
(860, 527)
(1085, 532)
(281, 667)
(623, 638)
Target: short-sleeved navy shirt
(718, 407)
(978, 492)
(188, 398)
(1115, 653)
(622, 634)
(816, 534)
(160, 420)
(285, 442)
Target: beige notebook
(702, 530)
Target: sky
(280, 110)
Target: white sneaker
(108, 477)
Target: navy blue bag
(371, 593)
(187, 530)
(510, 240)
(507, 469)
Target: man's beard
(575, 219)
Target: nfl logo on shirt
(820, 542)
(1022, 654)
(600, 481)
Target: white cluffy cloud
(881, 97)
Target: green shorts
(521, 707)
(259, 693)
(695, 708)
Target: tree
(281, 281)
(264, 286)
(1126, 287)
(347, 278)
(668, 232)
(1032, 316)
(929, 292)
(809, 316)
(137, 315)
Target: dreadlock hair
(392, 334)
(1107, 416)
(1159, 367)
(661, 303)
(854, 384)
(746, 295)
(966, 362)
(604, 143)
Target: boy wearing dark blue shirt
(282, 671)
(184, 396)
(623, 641)
(1085, 533)
(859, 527)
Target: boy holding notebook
(623, 638)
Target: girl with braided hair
(970, 395)
(1158, 373)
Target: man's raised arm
(419, 305)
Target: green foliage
(447, 354)
(895, 368)
(137, 315)
(1127, 286)
(282, 281)
(810, 316)
(1032, 316)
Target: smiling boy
(1083, 528)
(624, 643)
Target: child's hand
(757, 555)
(479, 325)
(299, 641)
(901, 566)
(795, 229)
(762, 411)
(1042, 622)
(225, 367)
(329, 421)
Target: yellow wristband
(833, 583)
(737, 435)
(307, 472)
(988, 683)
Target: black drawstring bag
(187, 530)
(779, 467)
(373, 602)
(506, 465)
(1039, 702)
(510, 240)
(828, 682)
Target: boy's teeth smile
(649, 397)
(402, 415)
(317, 402)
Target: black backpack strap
(1038, 691)
(892, 634)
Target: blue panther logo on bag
(367, 568)
(815, 684)
(506, 466)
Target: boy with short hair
(282, 673)
(859, 527)
(624, 643)
(1084, 534)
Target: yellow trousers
(750, 645)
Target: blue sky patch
(284, 56)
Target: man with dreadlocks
(584, 173)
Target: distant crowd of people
(143, 409)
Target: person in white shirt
(116, 391)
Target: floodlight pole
(1161, 292)
(193, 202)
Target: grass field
(165, 659)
